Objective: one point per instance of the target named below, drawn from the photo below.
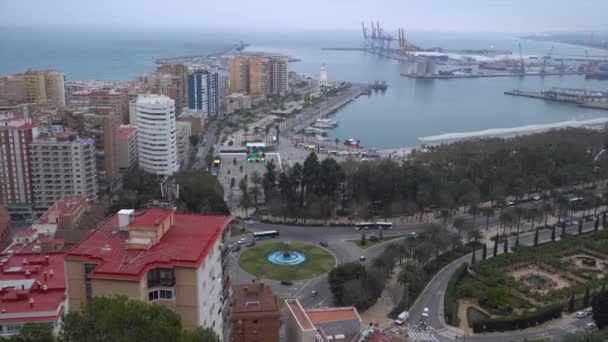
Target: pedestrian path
(421, 336)
(449, 334)
(569, 328)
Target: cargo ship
(597, 76)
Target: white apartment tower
(323, 76)
(156, 134)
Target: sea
(409, 113)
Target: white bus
(269, 234)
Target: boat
(597, 76)
(324, 123)
(314, 131)
(352, 143)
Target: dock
(603, 105)
(444, 77)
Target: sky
(313, 15)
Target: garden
(529, 286)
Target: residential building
(126, 148)
(40, 87)
(16, 136)
(181, 71)
(114, 100)
(156, 134)
(49, 117)
(256, 314)
(323, 80)
(239, 74)
(196, 118)
(258, 76)
(164, 84)
(277, 75)
(321, 325)
(180, 261)
(235, 101)
(183, 134)
(204, 92)
(62, 165)
(100, 124)
(5, 224)
(65, 214)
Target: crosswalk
(449, 334)
(282, 332)
(569, 328)
(421, 336)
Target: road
(209, 140)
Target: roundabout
(286, 261)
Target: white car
(248, 221)
(425, 313)
(402, 318)
(581, 314)
(590, 326)
(242, 241)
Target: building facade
(181, 71)
(256, 314)
(126, 148)
(239, 74)
(156, 134)
(204, 92)
(321, 325)
(114, 100)
(277, 75)
(183, 142)
(258, 76)
(196, 118)
(180, 261)
(39, 87)
(16, 136)
(62, 165)
(165, 84)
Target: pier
(582, 98)
(437, 76)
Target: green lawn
(369, 244)
(238, 230)
(318, 261)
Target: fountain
(286, 257)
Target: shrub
(526, 320)
(450, 307)
(373, 238)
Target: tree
(547, 209)
(336, 141)
(600, 309)
(200, 192)
(473, 257)
(459, 224)
(593, 336)
(363, 240)
(484, 253)
(269, 181)
(553, 233)
(488, 212)
(245, 201)
(195, 139)
(604, 220)
(571, 303)
(34, 332)
(596, 225)
(536, 237)
(562, 234)
(495, 252)
(586, 298)
(580, 226)
(505, 246)
(255, 190)
(122, 319)
(396, 292)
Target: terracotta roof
(255, 300)
(186, 243)
(124, 133)
(324, 315)
(299, 314)
(23, 297)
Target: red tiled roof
(317, 316)
(17, 288)
(255, 298)
(124, 133)
(186, 243)
(151, 218)
(17, 121)
(65, 205)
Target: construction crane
(522, 69)
(545, 58)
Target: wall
(74, 273)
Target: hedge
(524, 321)
(450, 307)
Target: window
(160, 294)
(88, 268)
(161, 277)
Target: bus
(373, 225)
(269, 234)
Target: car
(581, 314)
(362, 258)
(324, 243)
(242, 241)
(236, 248)
(286, 282)
(413, 234)
(250, 244)
(590, 326)
(536, 198)
(248, 222)
(510, 203)
(425, 313)
(402, 318)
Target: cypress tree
(597, 224)
(586, 298)
(495, 246)
(536, 237)
(505, 247)
(580, 227)
(553, 234)
(484, 253)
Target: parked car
(286, 282)
(590, 326)
(248, 221)
(581, 314)
(425, 313)
(362, 258)
(242, 241)
(236, 248)
(324, 243)
(250, 244)
(402, 318)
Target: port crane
(545, 58)
(376, 38)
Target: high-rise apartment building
(16, 136)
(156, 134)
(114, 100)
(40, 87)
(100, 124)
(180, 261)
(239, 75)
(204, 92)
(259, 75)
(182, 72)
(126, 148)
(62, 165)
(183, 133)
(165, 84)
(277, 74)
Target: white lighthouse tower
(323, 76)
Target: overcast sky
(346, 15)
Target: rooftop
(67, 205)
(324, 315)
(299, 314)
(16, 121)
(32, 287)
(124, 133)
(254, 299)
(185, 243)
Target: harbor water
(407, 111)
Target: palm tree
(488, 212)
(336, 141)
(505, 218)
(459, 224)
(547, 209)
(445, 214)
